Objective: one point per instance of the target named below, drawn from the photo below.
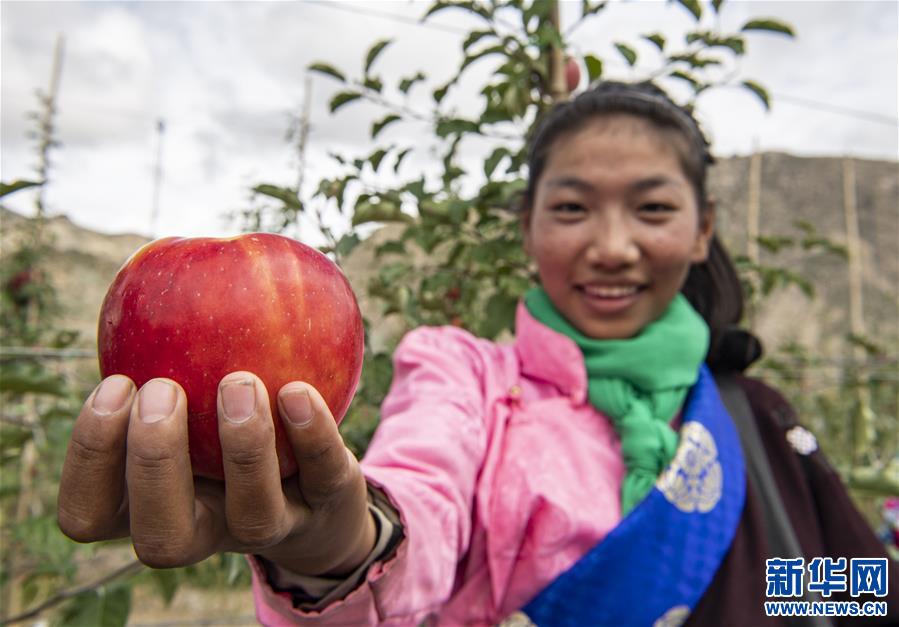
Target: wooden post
(863, 417)
(558, 90)
(753, 209)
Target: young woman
(587, 474)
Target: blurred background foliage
(451, 255)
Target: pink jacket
(502, 472)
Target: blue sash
(655, 565)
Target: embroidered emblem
(802, 440)
(675, 617)
(517, 619)
(693, 480)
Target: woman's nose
(612, 244)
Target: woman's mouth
(606, 299)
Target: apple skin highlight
(195, 309)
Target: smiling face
(615, 225)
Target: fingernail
(239, 400)
(111, 395)
(297, 406)
(157, 401)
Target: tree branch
(128, 569)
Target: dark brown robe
(826, 522)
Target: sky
(226, 78)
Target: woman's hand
(127, 473)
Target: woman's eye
(656, 207)
(568, 208)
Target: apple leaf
(684, 76)
(399, 159)
(17, 185)
(374, 51)
(759, 91)
(107, 606)
(328, 70)
(474, 37)
(628, 53)
(166, 583)
(657, 39)
(594, 67)
(379, 125)
(35, 383)
(374, 83)
(342, 98)
(455, 125)
(407, 83)
(346, 244)
(440, 93)
(375, 158)
(770, 25)
(693, 7)
(493, 160)
(284, 194)
(371, 209)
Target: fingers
(326, 467)
(255, 505)
(92, 486)
(160, 483)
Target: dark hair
(712, 287)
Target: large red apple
(193, 310)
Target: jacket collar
(549, 356)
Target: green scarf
(639, 382)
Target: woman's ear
(706, 231)
(525, 222)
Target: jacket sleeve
(425, 457)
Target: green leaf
(628, 53)
(455, 126)
(399, 159)
(9, 188)
(716, 4)
(346, 244)
(373, 53)
(374, 84)
(375, 158)
(588, 9)
(107, 606)
(379, 125)
(694, 60)
(493, 160)
(594, 67)
(499, 314)
(684, 76)
(769, 24)
(166, 583)
(367, 210)
(285, 194)
(440, 93)
(759, 91)
(693, 7)
(657, 39)
(392, 247)
(416, 188)
(474, 37)
(328, 70)
(471, 7)
(34, 383)
(342, 98)
(407, 83)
